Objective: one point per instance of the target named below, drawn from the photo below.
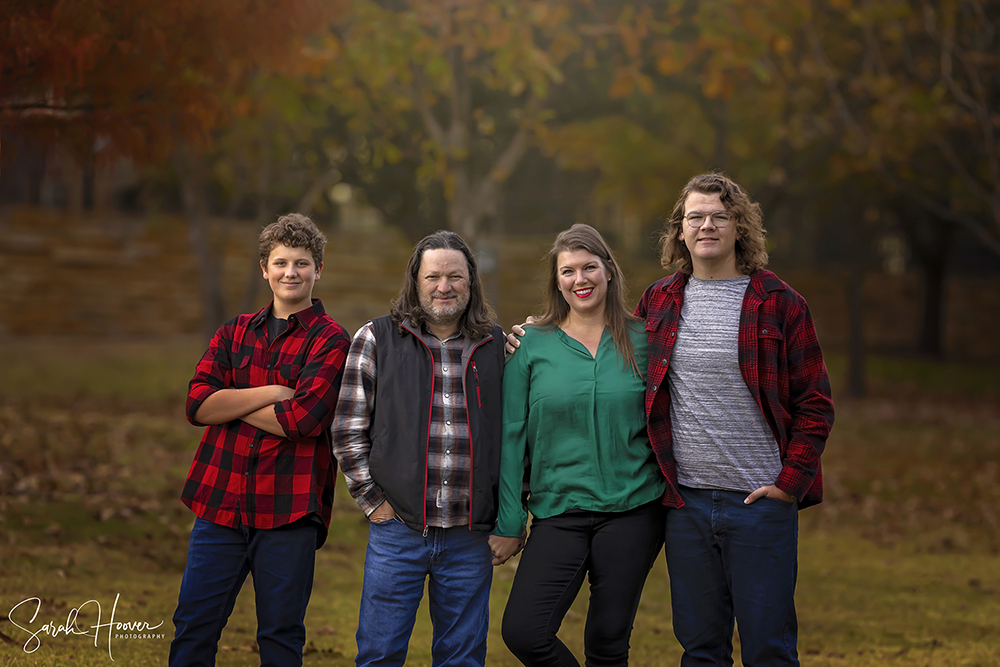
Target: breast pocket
(241, 371)
(771, 335)
(771, 349)
(290, 373)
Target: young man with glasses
(739, 409)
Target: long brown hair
(477, 320)
(616, 316)
(751, 251)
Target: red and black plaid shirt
(242, 475)
(781, 362)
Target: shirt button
(246, 474)
(251, 445)
(764, 331)
(445, 369)
(655, 387)
(447, 451)
(448, 423)
(663, 362)
(447, 395)
(671, 334)
(446, 482)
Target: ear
(319, 270)
(263, 269)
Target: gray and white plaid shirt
(448, 457)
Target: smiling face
(713, 249)
(443, 287)
(583, 281)
(291, 273)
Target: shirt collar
(424, 333)
(762, 280)
(306, 317)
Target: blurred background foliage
(143, 144)
(867, 130)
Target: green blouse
(579, 422)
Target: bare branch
(831, 84)
(316, 190)
(959, 165)
(971, 223)
(460, 99)
(431, 123)
(505, 163)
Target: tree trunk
(854, 288)
(264, 216)
(206, 255)
(89, 176)
(931, 243)
(930, 337)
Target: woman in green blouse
(574, 418)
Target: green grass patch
(912, 377)
(899, 566)
(71, 368)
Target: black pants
(615, 550)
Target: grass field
(900, 565)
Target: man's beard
(443, 317)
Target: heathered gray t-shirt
(721, 440)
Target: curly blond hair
(751, 251)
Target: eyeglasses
(720, 219)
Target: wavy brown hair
(616, 316)
(751, 251)
(477, 320)
(295, 231)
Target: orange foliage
(145, 74)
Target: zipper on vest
(475, 372)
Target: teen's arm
(352, 420)
(210, 402)
(309, 412)
(228, 404)
(810, 404)
(210, 378)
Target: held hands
(382, 513)
(516, 332)
(769, 491)
(504, 548)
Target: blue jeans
(398, 560)
(729, 561)
(281, 560)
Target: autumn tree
(464, 82)
(152, 80)
(914, 95)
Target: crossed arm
(254, 405)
